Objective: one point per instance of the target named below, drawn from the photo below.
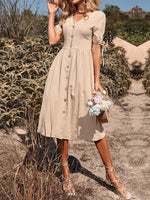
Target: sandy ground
(129, 142)
(128, 138)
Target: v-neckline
(80, 19)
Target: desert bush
(146, 78)
(16, 19)
(115, 75)
(24, 69)
(137, 72)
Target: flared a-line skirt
(68, 87)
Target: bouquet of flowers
(99, 104)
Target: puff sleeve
(98, 28)
(58, 28)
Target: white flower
(96, 107)
(90, 103)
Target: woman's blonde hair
(68, 8)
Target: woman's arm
(53, 36)
(96, 53)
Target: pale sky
(123, 4)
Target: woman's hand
(52, 8)
(98, 86)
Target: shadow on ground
(46, 154)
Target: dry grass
(30, 166)
(26, 180)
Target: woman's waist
(76, 48)
(77, 45)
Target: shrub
(17, 19)
(146, 79)
(115, 75)
(24, 69)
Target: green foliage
(113, 15)
(111, 9)
(147, 17)
(146, 79)
(134, 30)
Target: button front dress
(64, 111)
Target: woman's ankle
(65, 170)
(110, 173)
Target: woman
(73, 74)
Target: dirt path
(128, 138)
(129, 142)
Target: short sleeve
(58, 28)
(98, 28)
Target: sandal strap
(116, 180)
(69, 193)
(121, 189)
(66, 179)
(125, 193)
(70, 186)
(64, 164)
(109, 168)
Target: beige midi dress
(64, 111)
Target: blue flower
(94, 110)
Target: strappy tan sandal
(69, 189)
(121, 191)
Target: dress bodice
(84, 32)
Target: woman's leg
(63, 150)
(103, 149)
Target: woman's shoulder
(99, 17)
(99, 14)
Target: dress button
(65, 88)
(69, 55)
(63, 111)
(65, 99)
(72, 36)
(67, 66)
